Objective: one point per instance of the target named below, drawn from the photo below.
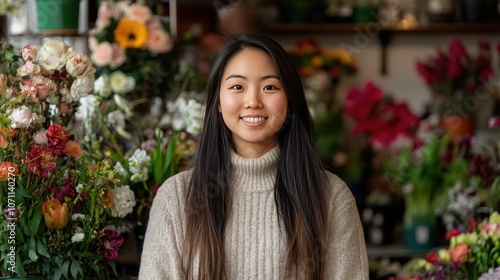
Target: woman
(257, 203)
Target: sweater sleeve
(346, 256)
(160, 255)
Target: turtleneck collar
(255, 174)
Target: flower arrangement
(456, 77)
(131, 49)
(474, 254)
(57, 200)
(383, 122)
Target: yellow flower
(317, 61)
(131, 34)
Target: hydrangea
(124, 201)
(492, 274)
(184, 114)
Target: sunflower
(131, 34)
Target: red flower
(459, 253)
(451, 233)
(57, 138)
(110, 243)
(494, 122)
(40, 160)
(361, 105)
(432, 258)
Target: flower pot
(419, 237)
(458, 127)
(58, 17)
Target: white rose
(121, 83)
(78, 64)
(40, 138)
(82, 86)
(52, 55)
(77, 216)
(21, 117)
(102, 86)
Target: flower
(124, 201)
(131, 34)
(55, 213)
(110, 242)
(455, 77)
(44, 167)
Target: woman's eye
(269, 87)
(237, 87)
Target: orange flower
(73, 149)
(108, 200)
(459, 253)
(9, 131)
(7, 168)
(55, 213)
(4, 143)
(131, 34)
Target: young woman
(257, 204)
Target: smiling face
(252, 102)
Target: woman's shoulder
(173, 190)
(336, 188)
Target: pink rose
(40, 138)
(28, 68)
(139, 13)
(78, 64)
(118, 57)
(29, 53)
(159, 41)
(102, 55)
(119, 8)
(44, 86)
(93, 43)
(459, 253)
(104, 13)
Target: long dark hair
(299, 187)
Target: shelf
(353, 27)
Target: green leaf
(42, 250)
(65, 268)
(35, 221)
(32, 255)
(57, 274)
(76, 269)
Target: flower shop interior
(404, 94)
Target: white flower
(138, 165)
(81, 86)
(407, 188)
(77, 237)
(87, 107)
(79, 188)
(102, 86)
(124, 201)
(21, 117)
(77, 216)
(184, 115)
(492, 274)
(121, 83)
(78, 64)
(116, 119)
(28, 68)
(52, 55)
(40, 138)
(120, 170)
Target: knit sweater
(255, 247)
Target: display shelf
(353, 27)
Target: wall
(402, 79)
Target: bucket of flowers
(57, 200)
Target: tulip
(55, 213)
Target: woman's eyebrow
(272, 76)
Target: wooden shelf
(353, 27)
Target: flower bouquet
(57, 200)
(456, 79)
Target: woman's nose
(253, 99)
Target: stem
(110, 134)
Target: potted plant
(419, 177)
(457, 82)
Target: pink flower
(110, 243)
(459, 253)
(40, 161)
(118, 56)
(103, 54)
(57, 138)
(139, 13)
(29, 53)
(494, 122)
(360, 105)
(40, 137)
(159, 41)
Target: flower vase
(458, 127)
(58, 17)
(419, 237)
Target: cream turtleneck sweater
(255, 248)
